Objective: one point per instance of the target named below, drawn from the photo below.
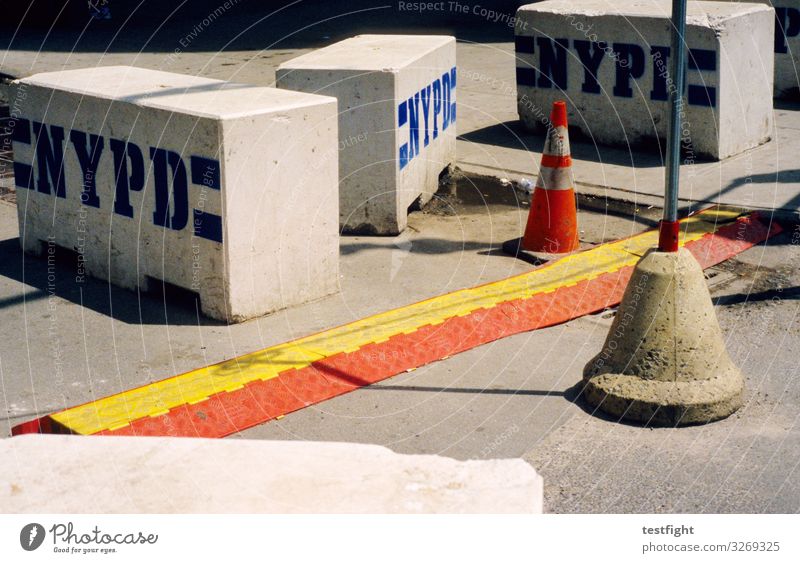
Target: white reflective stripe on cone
(555, 178)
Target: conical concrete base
(664, 361)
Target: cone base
(514, 248)
(666, 403)
(664, 361)
(552, 222)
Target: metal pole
(669, 228)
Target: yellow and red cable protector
(224, 398)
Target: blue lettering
(445, 100)
(787, 24)
(21, 132)
(552, 62)
(438, 98)
(170, 177)
(413, 126)
(23, 175)
(631, 64)
(697, 95)
(50, 158)
(205, 172)
(633, 58)
(453, 87)
(591, 55)
(402, 119)
(207, 225)
(124, 180)
(702, 95)
(437, 105)
(163, 161)
(524, 44)
(660, 56)
(526, 76)
(88, 158)
(425, 96)
(702, 59)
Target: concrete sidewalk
(66, 344)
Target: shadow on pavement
(240, 25)
(164, 306)
(513, 135)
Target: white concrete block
(787, 46)
(611, 62)
(397, 104)
(100, 474)
(200, 183)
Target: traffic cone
(552, 227)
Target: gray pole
(668, 239)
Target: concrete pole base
(664, 361)
(666, 403)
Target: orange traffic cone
(552, 221)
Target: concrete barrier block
(101, 474)
(397, 104)
(611, 62)
(152, 176)
(787, 46)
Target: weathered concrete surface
(510, 398)
(664, 360)
(76, 475)
(787, 46)
(397, 114)
(82, 333)
(191, 181)
(612, 63)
